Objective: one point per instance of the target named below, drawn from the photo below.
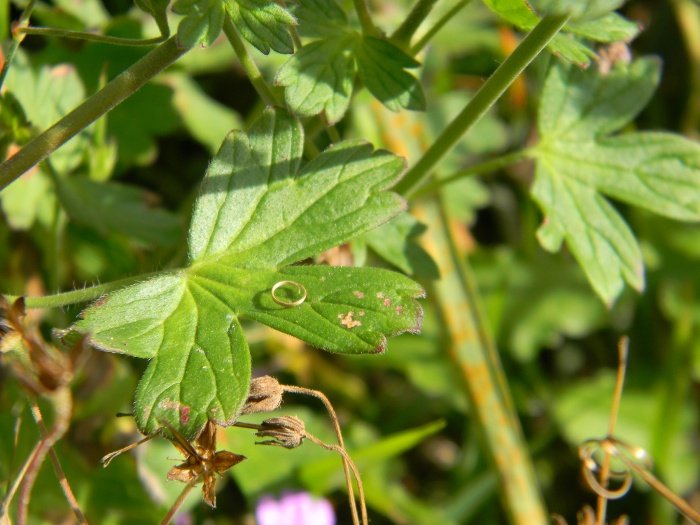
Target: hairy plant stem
(115, 92)
(430, 33)
(420, 11)
(93, 37)
(81, 296)
(17, 38)
(251, 70)
(487, 95)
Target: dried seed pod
(285, 431)
(265, 395)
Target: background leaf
(118, 208)
(577, 163)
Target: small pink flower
(298, 508)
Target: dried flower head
(40, 366)
(265, 395)
(202, 461)
(285, 431)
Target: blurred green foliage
(406, 416)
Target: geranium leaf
(382, 67)
(258, 211)
(118, 208)
(577, 164)
(319, 77)
(203, 21)
(264, 23)
(593, 20)
(320, 18)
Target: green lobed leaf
(395, 242)
(382, 67)
(256, 207)
(319, 77)
(320, 18)
(577, 164)
(611, 27)
(118, 208)
(264, 23)
(256, 213)
(592, 20)
(203, 21)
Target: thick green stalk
(487, 95)
(402, 36)
(123, 86)
(473, 354)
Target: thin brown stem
(321, 396)
(623, 351)
(5, 505)
(346, 459)
(109, 457)
(682, 505)
(179, 501)
(62, 403)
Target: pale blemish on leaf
(358, 294)
(387, 302)
(380, 295)
(398, 309)
(348, 321)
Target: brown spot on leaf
(348, 320)
(387, 302)
(358, 294)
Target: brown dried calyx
(202, 461)
(265, 395)
(285, 431)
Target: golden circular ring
(299, 288)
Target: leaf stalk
(487, 95)
(114, 93)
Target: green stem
(16, 40)
(92, 37)
(402, 36)
(472, 353)
(248, 65)
(363, 14)
(81, 296)
(123, 86)
(488, 166)
(489, 93)
(418, 46)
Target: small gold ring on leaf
(299, 288)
